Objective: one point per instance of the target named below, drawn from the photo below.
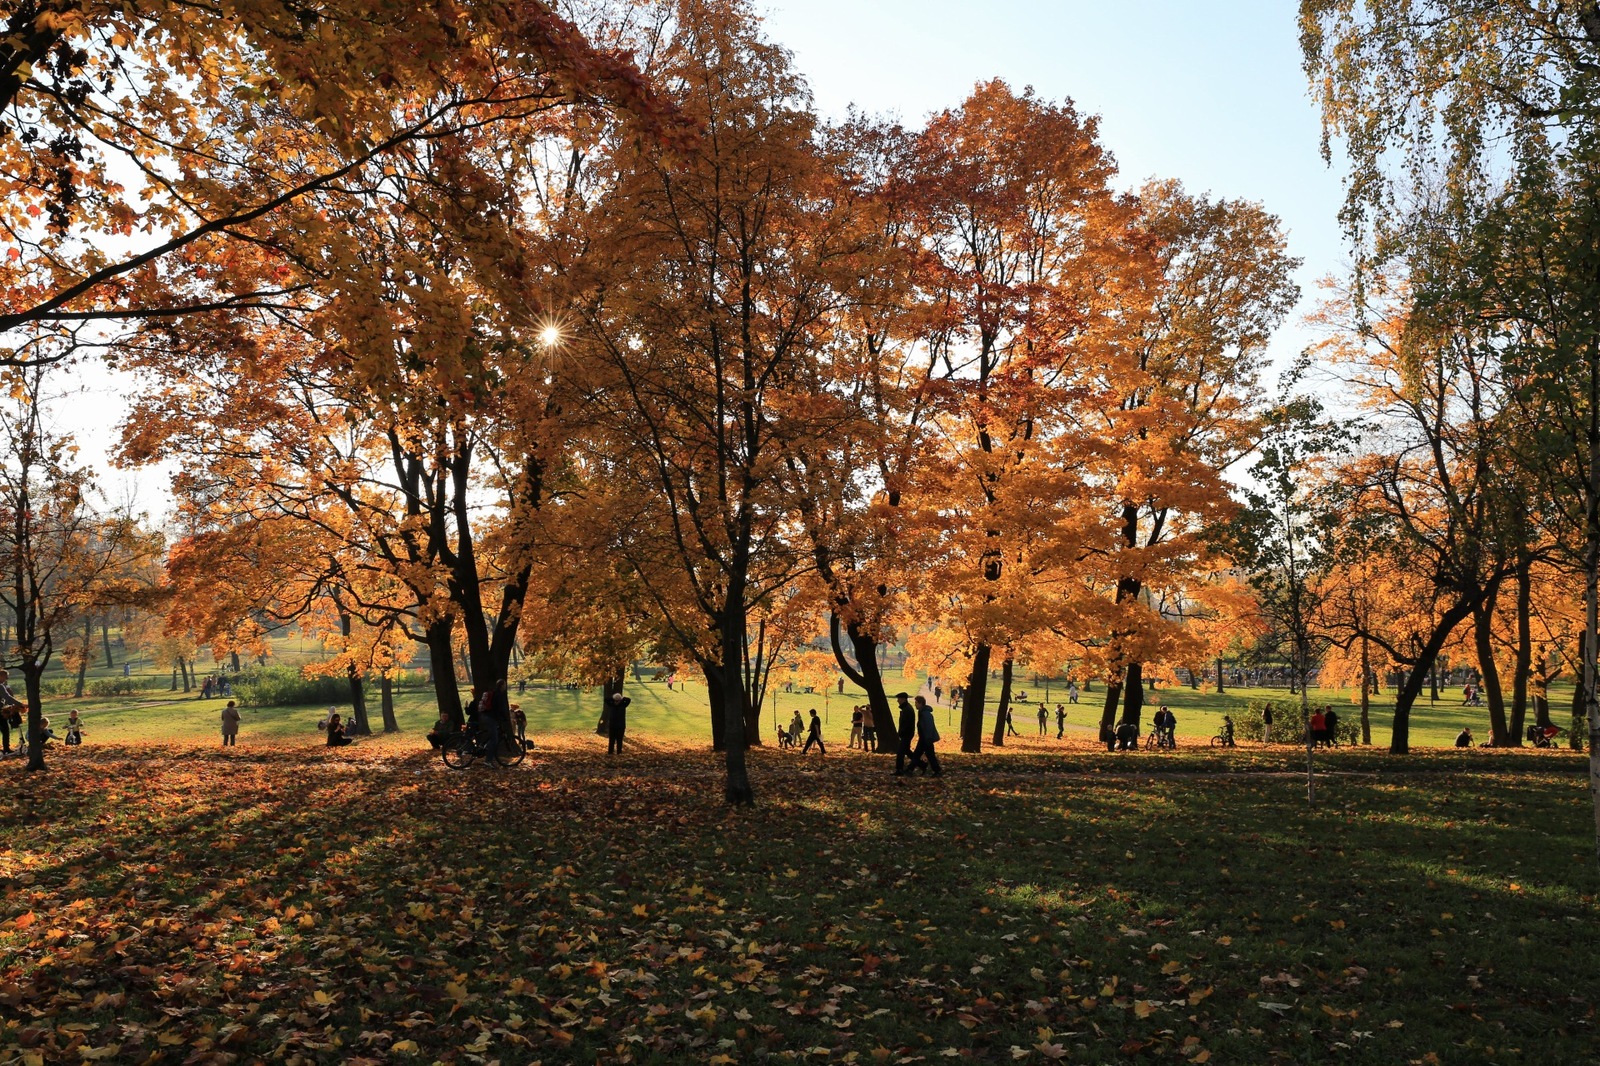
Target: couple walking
(916, 722)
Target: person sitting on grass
(74, 729)
(336, 737)
(440, 730)
(1464, 738)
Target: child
(74, 729)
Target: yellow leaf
(455, 992)
(1143, 1008)
(322, 998)
(407, 1046)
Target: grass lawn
(681, 715)
(280, 903)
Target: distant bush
(100, 686)
(123, 686)
(407, 679)
(1287, 725)
(285, 686)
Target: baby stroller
(1543, 736)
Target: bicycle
(1223, 740)
(460, 748)
(1159, 741)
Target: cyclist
(1166, 724)
(1227, 731)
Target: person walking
(1011, 727)
(230, 724)
(1044, 719)
(617, 723)
(1072, 692)
(1266, 724)
(908, 728)
(925, 758)
(1061, 721)
(1330, 727)
(815, 735)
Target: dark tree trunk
(1415, 678)
(1541, 688)
(1366, 691)
(1004, 707)
(83, 663)
(183, 673)
(865, 674)
(1580, 717)
(359, 726)
(386, 703)
(736, 787)
(234, 657)
(719, 719)
(1221, 690)
(1133, 694)
(174, 686)
(32, 674)
(1483, 637)
(1108, 712)
(1524, 661)
(972, 698)
(105, 643)
(442, 664)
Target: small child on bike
(1227, 731)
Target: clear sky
(1209, 93)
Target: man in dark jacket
(1330, 727)
(815, 736)
(908, 729)
(927, 736)
(617, 722)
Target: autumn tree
(139, 140)
(1221, 286)
(61, 558)
(718, 287)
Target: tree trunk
(1108, 713)
(736, 786)
(105, 643)
(866, 675)
(1483, 636)
(359, 726)
(1133, 694)
(1523, 666)
(32, 672)
(719, 720)
(1415, 678)
(442, 664)
(83, 663)
(1004, 706)
(1541, 688)
(1574, 736)
(972, 698)
(1366, 691)
(233, 657)
(1221, 689)
(183, 673)
(174, 686)
(386, 703)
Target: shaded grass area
(169, 905)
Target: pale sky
(1211, 94)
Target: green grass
(276, 905)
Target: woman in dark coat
(908, 729)
(617, 722)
